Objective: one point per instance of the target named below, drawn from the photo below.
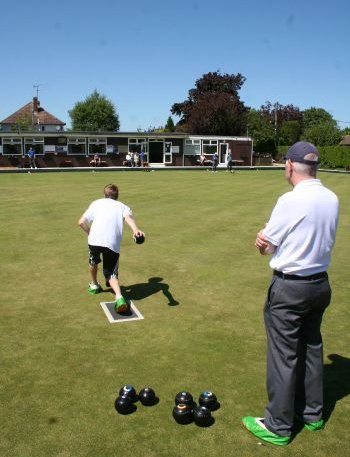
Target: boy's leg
(114, 283)
(110, 271)
(93, 273)
(94, 260)
(120, 303)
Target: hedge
(331, 156)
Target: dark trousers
(293, 315)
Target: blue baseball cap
(303, 152)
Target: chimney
(36, 105)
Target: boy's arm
(132, 224)
(83, 223)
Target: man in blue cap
(300, 236)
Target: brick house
(33, 115)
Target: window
(36, 143)
(97, 146)
(137, 145)
(210, 147)
(192, 147)
(76, 146)
(12, 146)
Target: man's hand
(264, 246)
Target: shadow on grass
(336, 382)
(145, 289)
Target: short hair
(111, 191)
(304, 169)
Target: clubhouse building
(56, 147)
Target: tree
(290, 132)
(313, 116)
(95, 113)
(154, 129)
(262, 132)
(23, 123)
(320, 128)
(213, 107)
(323, 134)
(169, 126)
(279, 115)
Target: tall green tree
(213, 106)
(286, 121)
(314, 116)
(323, 134)
(290, 132)
(169, 126)
(95, 113)
(320, 128)
(262, 132)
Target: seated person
(128, 159)
(96, 161)
(202, 159)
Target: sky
(144, 56)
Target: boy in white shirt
(103, 222)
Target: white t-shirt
(303, 227)
(106, 217)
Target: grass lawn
(63, 363)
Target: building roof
(33, 109)
(345, 141)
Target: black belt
(323, 274)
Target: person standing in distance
(142, 158)
(214, 162)
(31, 155)
(229, 162)
(300, 235)
(103, 222)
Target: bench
(66, 163)
(206, 163)
(100, 163)
(237, 162)
(127, 164)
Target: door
(156, 151)
(168, 155)
(223, 149)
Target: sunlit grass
(62, 363)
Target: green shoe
(120, 305)
(314, 426)
(94, 288)
(257, 427)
